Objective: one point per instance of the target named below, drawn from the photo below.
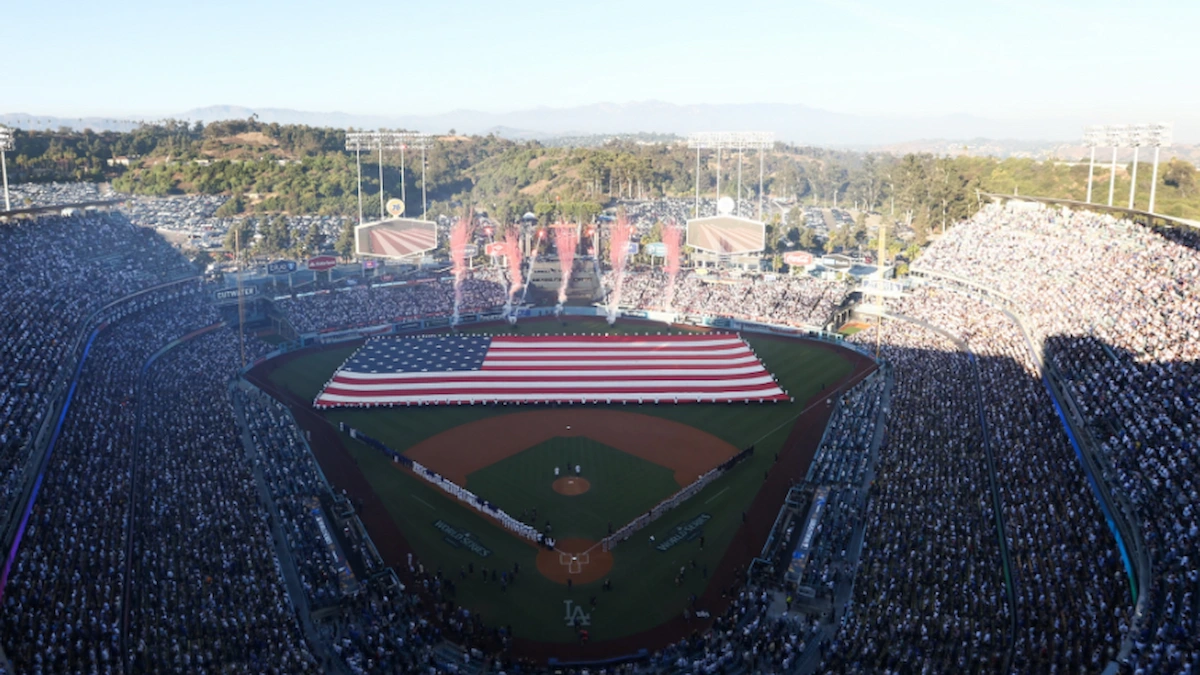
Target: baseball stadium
(580, 473)
(284, 398)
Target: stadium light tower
(700, 141)
(6, 144)
(386, 140)
(741, 140)
(1116, 135)
(1093, 136)
(1136, 136)
(1159, 136)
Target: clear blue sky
(1103, 59)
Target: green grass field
(622, 486)
(644, 590)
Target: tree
(345, 242)
(807, 239)
(544, 212)
(235, 205)
(314, 240)
(240, 235)
(1180, 175)
(202, 260)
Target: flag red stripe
(483, 393)
(570, 368)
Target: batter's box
(573, 561)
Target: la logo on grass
(575, 615)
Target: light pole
(358, 163)
(1137, 136)
(6, 144)
(741, 140)
(1092, 137)
(1159, 137)
(1116, 138)
(387, 140)
(739, 192)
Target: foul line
(717, 495)
(431, 508)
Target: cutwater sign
(461, 539)
(684, 532)
(657, 249)
(232, 293)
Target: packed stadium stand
(1016, 491)
(799, 300)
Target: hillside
(304, 169)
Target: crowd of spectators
(297, 490)
(1064, 560)
(846, 448)
(748, 638)
(799, 300)
(1113, 307)
(58, 271)
(361, 306)
(63, 605)
(929, 595)
(206, 587)
(842, 467)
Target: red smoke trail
(618, 252)
(671, 238)
(512, 251)
(460, 236)
(566, 239)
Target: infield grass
(644, 578)
(622, 486)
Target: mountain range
(793, 123)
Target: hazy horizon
(1019, 62)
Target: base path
(579, 560)
(458, 452)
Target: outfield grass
(645, 593)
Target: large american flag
(453, 369)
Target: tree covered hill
(273, 168)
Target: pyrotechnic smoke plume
(460, 236)
(618, 253)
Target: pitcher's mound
(579, 560)
(571, 486)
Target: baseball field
(578, 472)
